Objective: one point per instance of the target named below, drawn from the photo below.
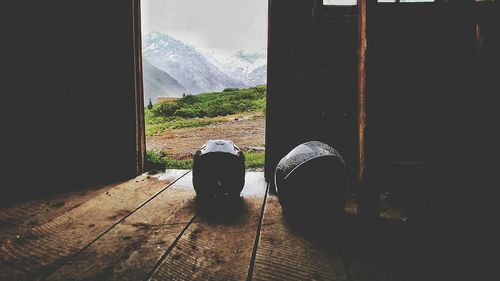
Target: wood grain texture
(140, 130)
(130, 250)
(46, 247)
(20, 217)
(362, 41)
(220, 243)
(283, 254)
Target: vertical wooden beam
(268, 162)
(140, 135)
(368, 203)
(362, 44)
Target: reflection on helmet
(311, 181)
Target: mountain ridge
(192, 71)
(158, 83)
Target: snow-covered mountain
(185, 64)
(258, 76)
(196, 72)
(158, 83)
(249, 67)
(248, 61)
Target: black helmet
(218, 170)
(312, 180)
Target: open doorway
(205, 76)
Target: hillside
(175, 130)
(158, 83)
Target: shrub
(231, 101)
(189, 99)
(179, 164)
(254, 159)
(187, 112)
(154, 161)
(157, 161)
(166, 108)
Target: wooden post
(368, 202)
(362, 41)
(140, 136)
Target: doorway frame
(140, 132)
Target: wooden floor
(152, 228)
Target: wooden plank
(20, 217)
(362, 43)
(140, 131)
(220, 243)
(384, 255)
(46, 247)
(130, 250)
(364, 269)
(284, 254)
(369, 205)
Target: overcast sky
(221, 26)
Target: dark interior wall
(432, 79)
(421, 105)
(68, 113)
(429, 82)
(311, 78)
(432, 116)
(487, 64)
(431, 111)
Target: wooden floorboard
(130, 250)
(153, 227)
(220, 243)
(284, 254)
(40, 251)
(19, 217)
(362, 269)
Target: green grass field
(203, 109)
(159, 161)
(198, 111)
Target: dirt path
(244, 131)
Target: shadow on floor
(440, 250)
(223, 210)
